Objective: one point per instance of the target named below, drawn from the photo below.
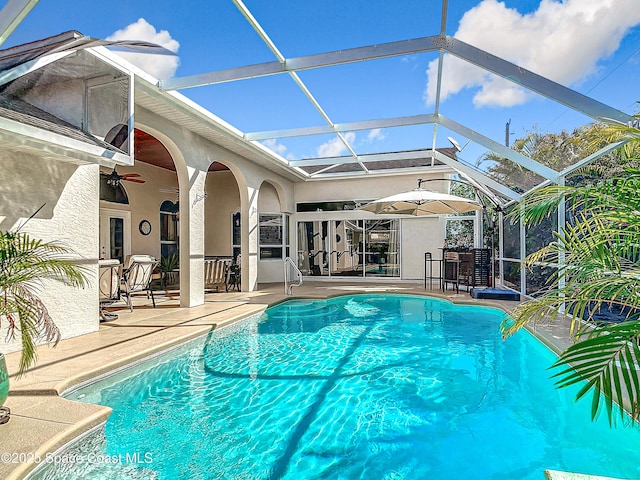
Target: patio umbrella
(422, 202)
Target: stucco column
(192, 238)
(249, 219)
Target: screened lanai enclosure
(500, 170)
(290, 88)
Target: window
(273, 236)
(169, 236)
(236, 235)
(382, 242)
(459, 232)
(111, 194)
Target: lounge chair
(137, 277)
(216, 273)
(109, 279)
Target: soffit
(189, 116)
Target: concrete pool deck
(42, 422)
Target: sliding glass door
(347, 251)
(313, 248)
(349, 248)
(383, 246)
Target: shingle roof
(20, 111)
(385, 164)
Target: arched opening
(273, 233)
(223, 218)
(139, 212)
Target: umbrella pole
(492, 220)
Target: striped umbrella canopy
(422, 202)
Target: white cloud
(160, 66)
(335, 147)
(563, 41)
(376, 135)
(273, 145)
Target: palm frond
(608, 362)
(25, 263)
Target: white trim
(27, 137)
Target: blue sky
(591, 46)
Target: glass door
(313, 245)
(115, 234)
(382, 247)
(348, 248)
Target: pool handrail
(289, 265)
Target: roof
(20, 111)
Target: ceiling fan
(114, 178)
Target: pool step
(298, 318)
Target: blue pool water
(358, 387)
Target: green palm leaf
(24, 264)
(608, 362)
(596, 261)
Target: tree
(600, 269)
(24, 263)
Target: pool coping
(42, 421)
(36, 398)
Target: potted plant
(167, 265)
(24, 263)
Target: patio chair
(216, 273)
(137, 277)
(234, 277)
(458, 270)
(451, 267)
(109, 279)
(465, 273)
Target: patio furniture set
(118, 282)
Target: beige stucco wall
(223, 200)
(268, 201)
(70, 216)
(360, 188)
(420, 235)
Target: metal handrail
(288, 285)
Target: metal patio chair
(109, 280)
(137, 277)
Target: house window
(111, 194)
(274, 236)
(236, 235)
(169, 236)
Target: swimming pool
(366, 386)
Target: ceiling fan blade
(127, 175)
(136, 180)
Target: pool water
(355, 387)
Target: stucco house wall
(192, 155)
(69, 193)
